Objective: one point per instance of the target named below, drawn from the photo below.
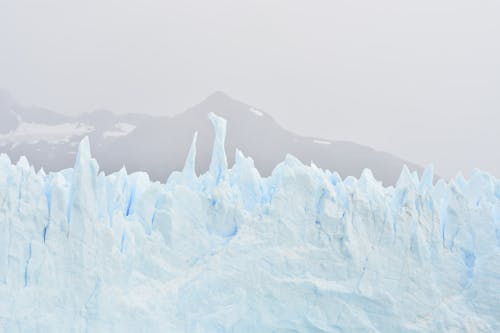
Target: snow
(257, 112)
(120, 129)
(231, 251)
(32, 133)
(322, 142)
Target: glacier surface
(231, 251)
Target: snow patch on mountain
(120, 129)
(322, 142)
(257, 112)
(32, 133)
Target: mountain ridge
(159, 144)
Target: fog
(418, 79)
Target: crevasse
(231, 251)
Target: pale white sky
(420, 79)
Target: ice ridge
(230, 251)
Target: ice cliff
(231, 251)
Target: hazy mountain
(159, 145)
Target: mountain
(159, 144)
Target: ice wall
(230, 251)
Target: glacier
(302, 250)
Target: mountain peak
(219, 94)
(220, 98)
(220, 103)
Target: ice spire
(23, 163)
(189, 166)
(83, 193)
(427, 179)
(218, 164)
(405, 178)
(83, 154)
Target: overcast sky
(420, 79)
